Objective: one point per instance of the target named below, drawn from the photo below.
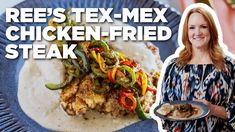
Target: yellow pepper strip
(144, 83)
(50, 33)
(142, 80)
(51, 23)
(99, 60)
(101, 63)
(121, 55)
(94, 55)
(114, 72)
(58, 42)
(138, 75)
(104, 38)
(158, 74)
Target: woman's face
(198, 31)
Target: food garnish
(104, 80)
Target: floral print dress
(201, 81)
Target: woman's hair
(215, 51)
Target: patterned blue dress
(201, 81)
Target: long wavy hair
(215, 51)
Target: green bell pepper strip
(110, 57)
(132, 74)
(116, 58)
(84, 60)
(95, 69)
(116, 86)
(84, 46)
(141, 114)
(100, 43)
(52, 86)
(125, 82)
(67, 23)
(77, 73)
(67, 64)
(75, 63)
(99, 87)
(108, 61)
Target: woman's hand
(215, 110)
(208, 104)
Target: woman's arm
(227, 111)
(218, 111)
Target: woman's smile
(198, 38)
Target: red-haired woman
(203, 73)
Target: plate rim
(205, 108)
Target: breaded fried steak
(107, 81)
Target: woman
(202, 73)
